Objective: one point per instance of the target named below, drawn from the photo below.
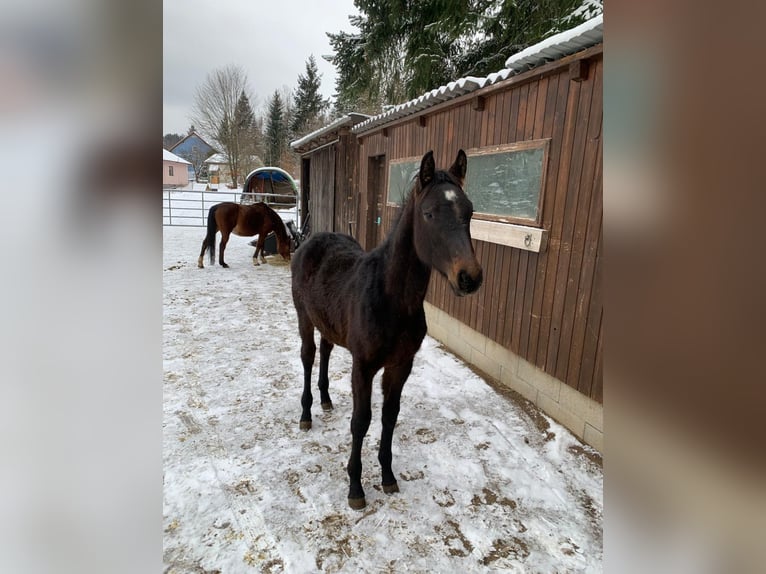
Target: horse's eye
(428, 215)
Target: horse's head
(442, 224)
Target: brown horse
(246, 221)
(372, 303)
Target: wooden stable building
(532, 132)
(329, 176)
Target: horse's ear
(459, 168)
(427, 169)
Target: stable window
(505, 184)
(170, 170)
(401, 175)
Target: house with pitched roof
(175, 170)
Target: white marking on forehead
(450, 195)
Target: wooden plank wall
(322, 201)
(334, 197)
(548, 307)
(346, 184)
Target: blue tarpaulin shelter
(271, 185)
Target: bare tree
(215, 114)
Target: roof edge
(351, 119)
(556, 47)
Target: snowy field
(488, 484)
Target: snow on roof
(216, 158)
(350, 119)
(170, 156)
(585, 35)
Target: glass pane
(506, 183)
(400, 178)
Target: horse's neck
(406, 276)
(278, 227)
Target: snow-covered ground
(487, 482)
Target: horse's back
(226, 216)
(323, 274)
(324, 254)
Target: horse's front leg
(361, 385)
(259, 250)
(394, 377)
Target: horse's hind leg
(308, 351)
(202, 253)
(325, 347)
(394, 377)
(224, 241)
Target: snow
(170, 156)
(559, 45)
(487, 482)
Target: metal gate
(186, 208)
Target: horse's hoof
(327, 406)
(391, 488)
(224, 265)
(357, 503)
(305, 425)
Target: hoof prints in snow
(486, 483)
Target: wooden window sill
(511, 234)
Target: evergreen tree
(169, 140)
(405, 48)
(247, 135)
(308, 105)
(276, 131)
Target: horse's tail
(212, 228)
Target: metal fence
(188, 208)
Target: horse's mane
(276, 223)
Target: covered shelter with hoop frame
(271, 185)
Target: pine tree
(276, 131)
(247, 135)
(404, 49)
(169, 140)
(308, 105)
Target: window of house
(170, 170)
(401, 174)
(505, 183)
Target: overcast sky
(271, 40)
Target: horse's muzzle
(468, 282)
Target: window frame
(543, 144)
(412, 159)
